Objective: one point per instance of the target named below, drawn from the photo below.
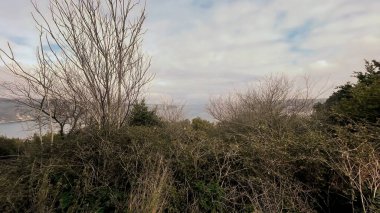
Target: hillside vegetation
(268, 150)
(259, 157)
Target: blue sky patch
(54, 47)
(204, 4)
(19, 40)
(299, 33)
(296, 36)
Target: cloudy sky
(203, 48)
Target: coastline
(10, 122)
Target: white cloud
(239, 41)
(203, 48)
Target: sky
(205, 48)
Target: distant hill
(10, 111)
(190, 111)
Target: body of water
(23, 129)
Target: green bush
(253, 161)
(9, 146)
(142, 116)
(358, 101)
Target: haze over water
(22, 129)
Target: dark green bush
(9, 146)
(256, 160)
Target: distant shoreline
(10, 122)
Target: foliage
(358, 101)
(266, 153)
(199, 124)
(259, 157)
(9, 146)
(142, 116)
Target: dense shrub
(261, 156)
(176, 168)
(141, 115)
(357, 101)
(9, 146)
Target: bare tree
(272, 97)
(170, 111)
(92, 68)
(34, 89)
(358, 161)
